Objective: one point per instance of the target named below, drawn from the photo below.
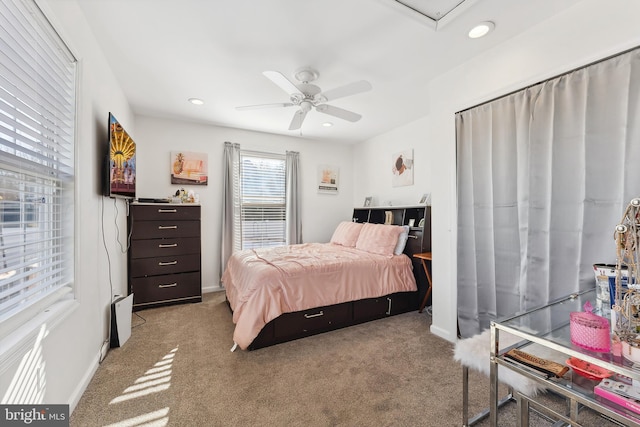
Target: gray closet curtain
(292, 189)
(544, 175)
(231, 222)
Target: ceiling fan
(307, 96)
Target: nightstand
(425, 256)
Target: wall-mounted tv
(120, 176)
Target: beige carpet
(177, 370)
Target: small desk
(548, 327)
(425, 256)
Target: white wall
(582, 34)
(373, 161)
(70, 351)
(157, 138)
(68, 355)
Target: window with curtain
(544, 175)
(37, 123)
(262, 200)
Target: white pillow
(402, 240)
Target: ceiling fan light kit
(306, 74)
(308, 96)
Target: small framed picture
(367, 201)
(426, 199)
(412, 222)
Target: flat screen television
(120, 173)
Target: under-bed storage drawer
(314, 320)
(375, 308)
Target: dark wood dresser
(164, 254)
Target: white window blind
(37, 122)
(262, 200)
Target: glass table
(547, 329)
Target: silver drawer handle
(412, 236)
(309, 316)
(389, 309)
(168, 263)
(167, 227)
(173, 245)
(171, 285)
(167, 210)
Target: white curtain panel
(292, 196)
(231, 221)
(544, 176)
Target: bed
(279, 294)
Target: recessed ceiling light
(481, 30)
(327, 124)
(196, 101)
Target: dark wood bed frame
(300, 324)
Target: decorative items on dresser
(164, 254)
(418, 218)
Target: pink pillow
(346, 233)
(379, 238)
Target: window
(262, 200)
(37, 123)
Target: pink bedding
(262, 284)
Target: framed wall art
(328, 179)
(402, 168)
(189, 168)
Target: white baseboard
(84, 383)
(207, 289)
(443, 333)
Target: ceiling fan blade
(254, 107)
(282, 82)
(298, 118)
(338, 112)
(347, 90)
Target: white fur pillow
(474, 352)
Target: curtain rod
(261, 153)
(552, 78)
(254, 152)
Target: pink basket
(589, 330)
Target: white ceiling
(166, 51)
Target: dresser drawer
(314, 320)
(163, 212)
(164, 229)
(172, 287)
(164, 265)
(164, 247)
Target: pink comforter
(261, 284)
